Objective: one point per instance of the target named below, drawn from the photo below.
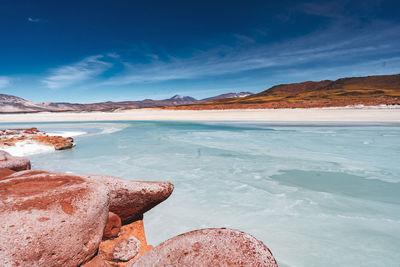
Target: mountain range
(368, 91)
(13, 104)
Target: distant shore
(344, 114)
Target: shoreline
(344, 114)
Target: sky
(92, 51)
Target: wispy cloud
(244, 38)
(36, 20)
(342, 11)
(326, 47)
(83, 70)
(4, 81)
(332, 9)
(338, 48)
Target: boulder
(14, 163)
(130, 199)
(209, 247)
(50, 219)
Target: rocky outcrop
(14, 163)
(130, 199)
(57, 219)
(58, 142)
(50, 219)
(209, 247)
(32, 135)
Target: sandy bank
(312, 114)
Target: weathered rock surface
(113, 226)
(209, 247)
(113, 253)
(50, 219)
(58, 142)
(56, 219)
(96, 262)
(11, 136)
(4, 172)
(130, 199)
(14, 163)
(123, 250)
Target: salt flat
(369, 114)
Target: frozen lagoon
(317, 194)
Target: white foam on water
(111, 130)
(25, 148)
(107, 130)
(66, 133)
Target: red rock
(113, 226)
(14, 163)
(123, 250)
(5, 172)
(12, 136)
(50, 219)
(130, 199)
(58, 142)
(113, 251)
(209, 247)
(96, 262)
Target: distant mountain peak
(183, 98)
(10, 98)
(228, 95)
(177, 97)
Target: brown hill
(368, 91)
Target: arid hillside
(371, 90)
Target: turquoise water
(316, 194)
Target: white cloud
(36, 20)
(4, 81)
(84, 70)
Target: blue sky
(90, 51)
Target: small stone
(113, 226)
(129, 246)
(126, 250)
